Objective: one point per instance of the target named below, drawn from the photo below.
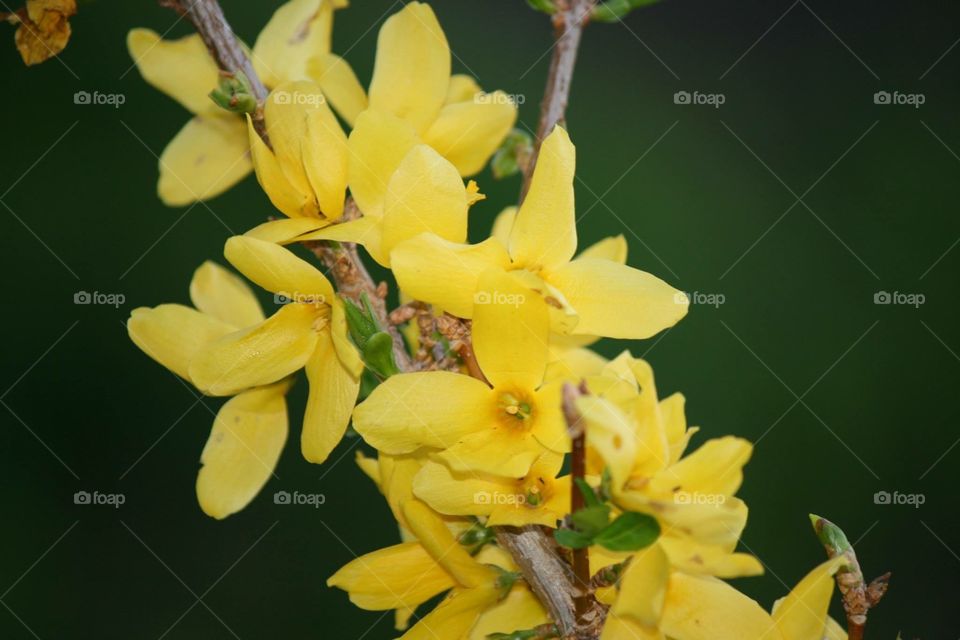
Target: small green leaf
(629, 532)
(591, 520)
(571, 539)
(513, 153)
(616, 10)
(546, 6)
(378, 354)
(234, 94)
(589, 495)
(360, 323)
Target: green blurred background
(844, 397)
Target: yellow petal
(612, 248)
(343, 347)
(715, 469)
(573, 364)
(431, 408)
(462, 87)
(324, 152)
(369, 466)
(433, 534)
(643, 587)
(454, 617)
(459, 494)
(182, 68)
(285, 230)
(297, 31)
(377, 144)
(610, 435)
(803, 612)
(221, 294)
(242, 451)
(282, 194)
(173, 334)
(617, 628)
(834, 631)
(467, 133)
(494, 452)
(412, 69)
(425, 194)
(519, 610)
(339, 84)
(333, 392)
(544, 235)
(511, 328)
(445, 273)
(259, 355)
(688, 555)
(616, 301)
(277, 269)
(286, 111)
(675, 425)
(703, 608)
(206, 157)
(403, 575)
(503, 225)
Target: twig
(208, 19)
(578, 470)
(858, 596)
(568, 22)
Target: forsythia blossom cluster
(478, 444)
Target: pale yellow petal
(219, 293)
(432, 532)
(247, 437)
(412, 69)
(715, 469)
(462, 87)
(182, 68)
(208, 155)
(703, 608)
(377, 144)
(643, 587)
(431, 409)
(343, 347)
(339, 84)
(459, 494)
(425, 194)
(493, 451)
(503, 225)
(277, 269)
(467, 133)
(262, 354)
(511, 328)
(445, 273)
(544, 235)
(324, 154)
(610, 435)
(297, 31)
(285, 230)
(612, 248)
(286, 111)
(519, 610)
(617, 301)
(333, 392)
(690, 556)
(803, 612)
(617, 628)
(173, 334)
(453, 618)
(282, 194)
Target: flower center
(515, 407)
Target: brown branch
(224, 46)
(568, 22)
(583, 603)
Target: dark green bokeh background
(876, 384)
